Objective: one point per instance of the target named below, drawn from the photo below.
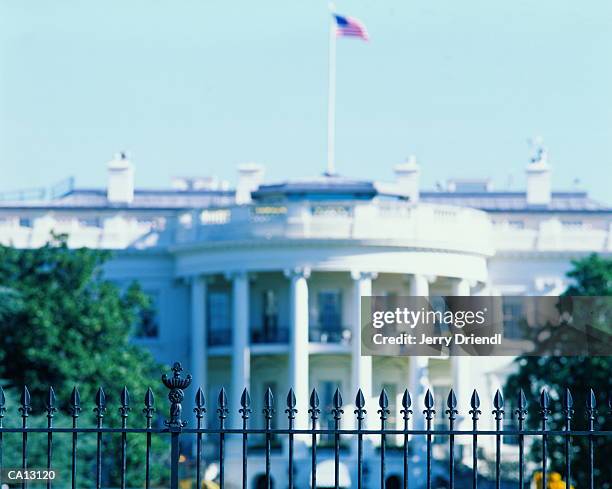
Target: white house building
(259, 286)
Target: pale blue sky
(196, 87)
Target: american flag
(349, 27)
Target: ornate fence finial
(406, 404)
(544, 407)
(498, 404)
(75, 404)
(314, 410)
(451, 404)
(222, 410)
(200, 404)
(337, 410)
(100, 408)
(521, 411)
(475, 405)
(245, 404)
(268, 409)
(149, 403)
(429, 406)
(176, 384)
(50, 403)
(291, 410)
(568, 405)
(360, 405)
(591, 408)
(124, 408)
(25, 405)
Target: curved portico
(317, 259)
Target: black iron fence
(176, 429)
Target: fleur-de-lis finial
(149, 406)
(222, 410)
(383, 404)
(124, 408)
(291, 403)
(50, 403)
(25, 404)
(406, 405)
(75, 403)
(100, 408)
(245, 404)
(429, 411)
(360, 405)
(451, 404)
(475, 405)
(200, 404)
(544, 407)
(337, 410)
(521, 411)
(314, 410)
(498, 404)
(268, 409)
(591, 408)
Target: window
(270, 311)
(513, 316)
(25, 222)
(330, 309)
(219, 311)
(91, 222)
(148, 326)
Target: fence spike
(591, 400)
(475, 404)
(75, 402)
(26, 406)
(498, 404)
(451, 403)
(291, 403)
(521, 410)
(245, 404)
(429, 399)
(544, 399)
(383, 399)
(406, 404)
(125, 408)
(337, 410)
(360, 405)
(268, 409)
(568, 404)
(429, 410)
(610, 402)
(200, 403)
(314, 406)
(100, 408)
(50, 402)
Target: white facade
(261, 288)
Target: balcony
(332, 335)
(278, 335)
(422, 225)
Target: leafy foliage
(62, 324)
(592, 276)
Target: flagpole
(331, 97)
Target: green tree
(591, 276)
(63, 325)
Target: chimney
(250, 176)
(407, 178)
(120, 180)
(538, 178)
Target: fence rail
(175, 426)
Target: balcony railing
(326, 334)
(270, 336)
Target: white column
(241, 353)
(298, 351)
(419, 366)
(361, 367)
(461, 365)
(198, 341)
